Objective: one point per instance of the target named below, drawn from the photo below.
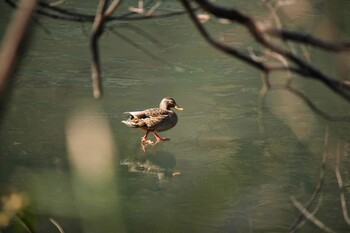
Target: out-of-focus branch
(311, 216)
(95, 63)
(308, 39)
(221, 46)
(97, 29)
(341, 188)
(139, 47)
(261, 33)
(258, 32)
(63, 14)
(103, 15)
(57, 225)
(13, 41)
(24, 223)
(298, 222)
(112, 7)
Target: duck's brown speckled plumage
(154, 119)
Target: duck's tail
(131, 124)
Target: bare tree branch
(295, 225)
(63, 14)
(302, 223)
(23, 222)
(223, 47)
(302, 68)
(308, 39)
(112, 7)
(299, 66)
(139, 47)
(57, 225)
(341, 188)
(138, 30)
(311, 217)
(13, 40)
(96, 31)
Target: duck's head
(168, 103)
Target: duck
(154, 120)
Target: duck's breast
(167, 123)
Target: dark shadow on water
(163, 159)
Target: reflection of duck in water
(154, 120)
(161, 164)
(149, 168)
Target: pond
(235, 160)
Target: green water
(238, 163)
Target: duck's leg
(144, 138)
(145, 142)
(159, 139)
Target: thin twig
(112, 7)
(96, 31)
(223, 47)
(24, 223)
(63, 14)
(258, 33)
(153, 8)
(278, 23)
(137, 30)
(308, 39)
(317, 207)
(318, 188)
(341, 188)
(274, 15)
(139, 47)
(57, 225)
(311, 217)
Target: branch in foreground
(311, 217)
(302, 67)
(227, 49)
(59, 13)
(57, 225)
(308, 40)
(298, 222)
(139, 47)
(95, 63)
(13, 40)
(341, 188)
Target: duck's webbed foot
(159, 139)
(145, 142)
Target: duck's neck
(163, 105)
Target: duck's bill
(178, 108)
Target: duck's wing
(136, 114)
(155, 116)
(151, 112)
(156, 112)
(148, 118)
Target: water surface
(237, 162)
